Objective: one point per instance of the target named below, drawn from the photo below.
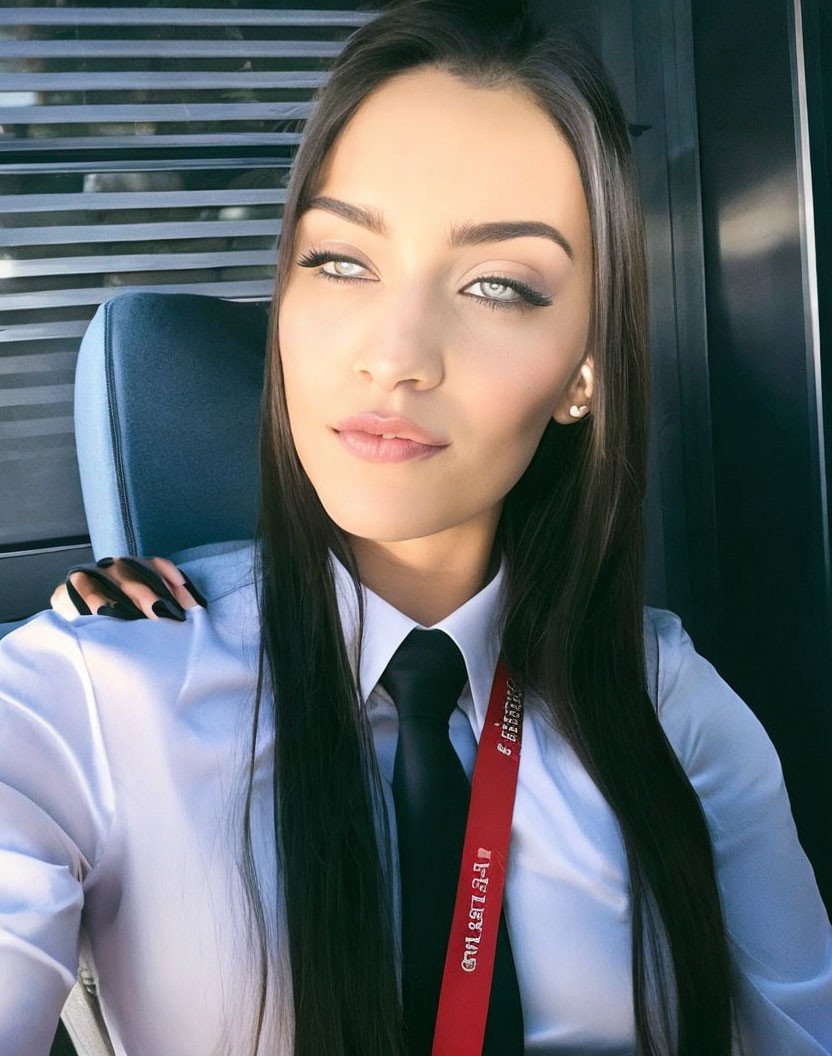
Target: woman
(462, 248)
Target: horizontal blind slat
(162, 112)
(232, 290)
(113, 142)
(94, 81)
(28, 427)
(63, 164)
(178, 49)
(21, 269)
(37, 363)
(60, 235)
(35, 394)
(43, 331)
(177, 16)
(37, 203)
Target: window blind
(145, 146)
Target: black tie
(431, 792)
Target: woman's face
(415, 331)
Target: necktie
(431, 792)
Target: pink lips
(361, 434)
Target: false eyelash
(530, 297)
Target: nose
(405, 346)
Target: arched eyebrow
(464, 234)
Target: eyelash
(530, 298)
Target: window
(139, 146)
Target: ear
(578, 393)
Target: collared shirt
(123, 762)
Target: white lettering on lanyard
(479, 883)
(512, 712)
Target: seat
(167, 403)
(167, 400)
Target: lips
(376, 448)
(377, 425)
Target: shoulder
(721, 744)
(219, 569)
(50, 659)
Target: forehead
(427, 146)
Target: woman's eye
(339, 272)
(315, 258)
(500, 294)
(497, 295)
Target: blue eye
(529, 298)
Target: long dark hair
(572, 533)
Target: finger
(134, 599)
(165, 567)
(93, 594)
(183, 590)
(62, 603)
(162, 573)
(90, 580)
(153, 601)
(122, 583)
(154, 606)
(140, 586)
(152, 579)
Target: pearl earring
(578, 412)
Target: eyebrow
(464, 234)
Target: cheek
(510, 395)
(306, 355)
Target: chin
(379, 518)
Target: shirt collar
(475, 627)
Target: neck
(428, 578)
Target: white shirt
(122, 766)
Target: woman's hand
(132, 588)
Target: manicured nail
(164, 609)
(105, 562)
(194, 592)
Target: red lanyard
(472, 944)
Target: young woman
(214, 808)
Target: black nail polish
(164, 609)
(105, 562)
(117, 610)
(195, 594)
